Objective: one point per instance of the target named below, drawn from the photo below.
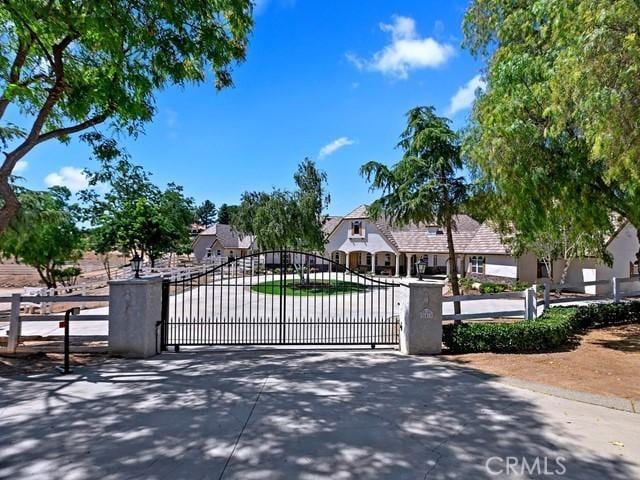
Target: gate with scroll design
(279, 298)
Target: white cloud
(71, 177)
(465, 95)
(20, 167)
(406, 52)
(334, 146)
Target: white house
(360, 243)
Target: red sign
(62, 324)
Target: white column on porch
(397, 264)
(373, 263)
(346, 261)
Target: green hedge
(553, 329)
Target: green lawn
(325, 287)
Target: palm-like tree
(424, 186)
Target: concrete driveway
(264, 414)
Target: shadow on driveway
(263, 414)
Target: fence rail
(16, 319)
(533, 306)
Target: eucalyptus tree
(425, 186)
(67, 66)
(558, 122)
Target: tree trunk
(11, 205)
(453, 265)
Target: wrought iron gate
(279, 298)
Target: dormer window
(357, 229)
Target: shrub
(519, 286)
(466, 283)
(551, 330)
(490, 287)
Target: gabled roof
(330, 224)
(486, 240)
(415, 238)
(358, 212)
(227, 237)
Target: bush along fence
(553, 329)
(538, 298)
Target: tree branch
(59, 132)
(16, 69)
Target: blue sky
(330, 80)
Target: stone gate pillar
(421, 318)
(135, 307)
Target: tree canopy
(134, 215)
(557, 127)
(45, 234)
(226, 213)
(283, 219)
(67, 66)
(425, 186)
(206, 213)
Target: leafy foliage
(134, 215)
(68, 66)
(425, 185)
(226, 213)
(283, 219)
(206, 213)
(45, 234)
(553, 329)
(556, 132)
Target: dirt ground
(606, 362)
(36, 363)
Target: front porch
(387, 263)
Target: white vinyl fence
(529, 304)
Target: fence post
(547, 295)
(83, 292)
(14, 323)
(529, 303)
(135, 307)
(616, 289)
(421, 319)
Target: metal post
(65, 324)
(14, 323)
(616, 289)
(529, 302)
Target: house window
(369, 259)
(355, 228)
(218, 252)
(336, 257)
(477, 264)
(634, 271)
(435, 260)
(387, 260)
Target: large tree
(557, 126)
(425, 186)
(135, 216)
(45, 234)
(67, 66)
(226, 213)
(206, 213)
(288, 220)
